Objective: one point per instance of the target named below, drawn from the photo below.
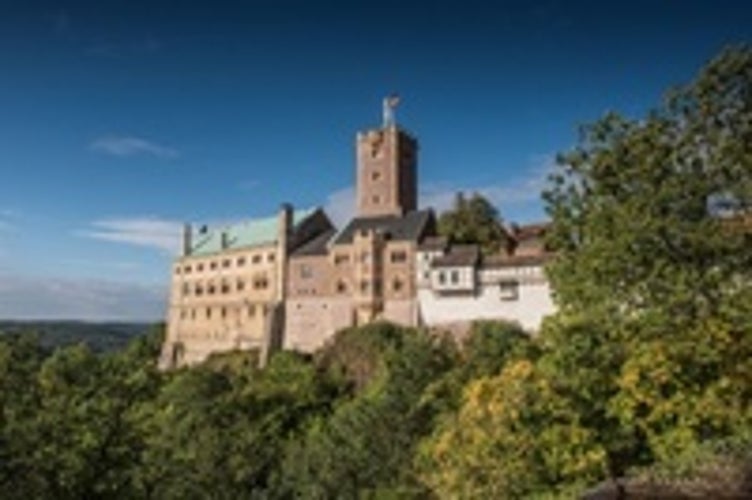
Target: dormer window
(509, 290)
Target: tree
(638, 206)
(365, 447)
(514, 436)
(474, 220)
(651, 228)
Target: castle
(292, 280)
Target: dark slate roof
(458, 256)
(315, 246)
(497, 261)
(433, 243)
(408, 227)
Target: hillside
(100, 337)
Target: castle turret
(187, 239)
(387, 168)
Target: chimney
(187, 239)
(284, 228)
(225, 240)
(285, 224)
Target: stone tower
(387, 169)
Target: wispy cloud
(7, 219)
(32, 297)
(340, 205)
(124, 145)
(149, 232)
(508, 194)
(518, 196)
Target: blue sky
(119, 120)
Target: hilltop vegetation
(101, 336)
(643, 377)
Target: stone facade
(293, 281)
(228, 287)
(387, 172)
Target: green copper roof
(244, 234)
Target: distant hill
(100, 337)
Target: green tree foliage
(72, 434)
(366, 446)
(482, 353)
(636, 206)
(474, 220)
(221, 433)
(514, 436)
(651, 222)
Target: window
(199, 290)
(426, 275)
(376, 286)
(183, 314)
(341, 287)
(226, 263)
(187, 269)
(364, 286)
(306, 272)
(376, 175)
(241, 261)
(270, 257)
(509, 290)
(225, 287)
(375, 199)
(455, 277)
(256, 259)
(251, 311)
(397, 285)
(399, 256)
(193, 314)
(341, 258)
(211, 289)
(260, 282)
(442, 278)
(177, 270)
(186, 289)
(208, 312)
(199, 267)
(241, 285)
(213, 265)
(224, 312)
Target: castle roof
(504, 260)
(243, 234)
(458, 256)
(409, 227)
(434, 243)
(316, 246)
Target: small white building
(457, 285)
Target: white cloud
(32, 297)
(7, 218)
(122, 146)
(518, 197)
(340, 206)
(509, 195)
(151, 232)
